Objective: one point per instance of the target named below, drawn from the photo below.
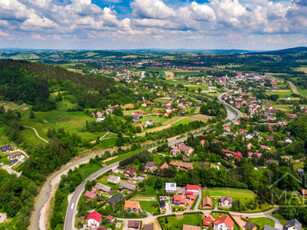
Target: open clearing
(199, 117)
(169, 75)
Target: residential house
(148, 227)
(180, 200)
(192, 188)
(190, 227)
(207, 221)
(249, 146)
(6, 148)
(225, 202)
(186, 159)
(175, 151)
(207, 202)
(250, 226)
(265, 147)
(164, 166)
(149, 123)
(90, 195)
(13, 162)
(130, 172)
(113, 179)
(151, 166)
(132, 206)
(293, 224)
(270, 138)
(111, 219)
(185, 149)
(257, 155)
(93, 220)
(14, 155)
(304, 192)
(179, 164)
(224, 223)
(237, 155)
(115, 198)
(170, 187)
(125, 185)
(133, 224)
(103, 188)
(162, 204)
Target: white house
(113, 179)
(170, 187)
(225, 202)
(93, 220)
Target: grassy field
(182, 122)
(148, 206)
(302, 91)
(156, 120)
(243, 195)
(124, 156)
(261, 221)
(199, 117)
(72, 122)
(281, 93)
(177, 222)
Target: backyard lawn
(243, 195)
(177, 222)
(150, 206)
(261, 221)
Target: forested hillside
(32, 83)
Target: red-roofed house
(223, 223)
(207, 221)
(93, 220)
(111, 219)
(90, 195)
(192, 188)
(227, 128)
(258, 155)
(237, 155)
(180, 200)
(292, 115)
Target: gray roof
(292, 223)
(115, 198)
(103, 187)
(151, 164)
(126, 185)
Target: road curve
(72, 205)
(233, 113)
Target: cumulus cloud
(151, 9)
(202, 12)
(156, 19)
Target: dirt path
(36, 133)
(293, 87)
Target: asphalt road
(233, 115)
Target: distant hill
(289, 50)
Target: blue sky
(169, 24)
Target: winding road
(41, 205)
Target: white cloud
(151, 9)
(202, 12)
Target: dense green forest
(32, 83)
